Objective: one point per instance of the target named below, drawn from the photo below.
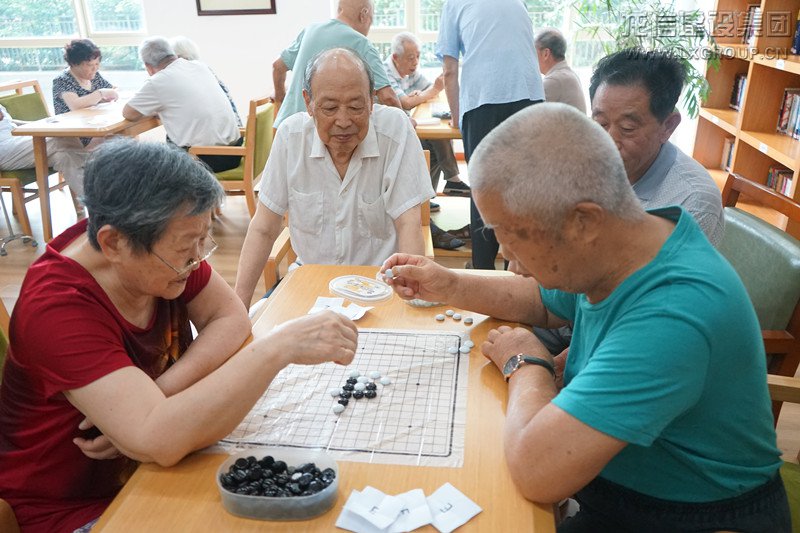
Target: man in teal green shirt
(659, 419)
(347, 30)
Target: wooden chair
(768, 262)
(24, 100)
(787, 389)
(258, 135)
(8, 522)
(282, 254)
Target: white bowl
(281, 508)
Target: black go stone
(358, 394)
(344, 401)
(348, 387)
(371, 386)
(370, 394)
(241, 463)
(345, 394)
(305, 481)
(266, 462)
(352, 381)
(278, 467)
(258, 478)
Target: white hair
(185, 48)
(400, 40)
(154, 50)
(547, 158)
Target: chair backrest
(768, 262)
(23, 105)
(259, 136)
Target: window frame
(413, 24)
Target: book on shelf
(737, 94)
(727, 153)
(787, 116)
(779, 179)
(795, 49)
(752, 24)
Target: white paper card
(380, 509)
(414, 514)
(352, 522)
(450, 508)
(352, 311)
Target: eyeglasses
(209, 248)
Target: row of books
(752, 24)
(727, 154)
(789, 114)
(737, 94)
(780, 179)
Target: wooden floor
(229, 231)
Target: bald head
(337, 63)
(546, 183)
(357, 14)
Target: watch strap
(533, 360)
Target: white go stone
(469, 343)
(464, 349)
(440, 318)
(468, 320)
(359, 386)
(449, 312)
(388, 273)
(334, 392)
(452, 349)
(363, 379)
(354, 373)
(338, 408)
(456, 317)
(375, 374)
(385, 381)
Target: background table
(442, 130)
(185, 497)
(97, 121)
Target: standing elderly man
(561, 84)
(348, 30)
(188, 99)
(663, 422)
(500, 77)
(351, 176)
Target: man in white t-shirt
(350, 174)
(187, 98)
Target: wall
(239, 48)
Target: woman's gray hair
(154, 50)
(400, 40)
(313, 66)
(185, 48)
(547, 158)
(140, 187)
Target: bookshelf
(770, 69)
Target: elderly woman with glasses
(102, 370)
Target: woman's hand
(99, 448)
(108, 95)
(317, 338)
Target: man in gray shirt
(561, 84)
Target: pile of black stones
(268, 477)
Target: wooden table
(96, 121)
(442, 130)
(185, 497)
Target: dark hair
(313, 66)
(553, 40)
(661, 73)
(79, 50)
(139, 187)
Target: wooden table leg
(40, 156)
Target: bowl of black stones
(278, 483)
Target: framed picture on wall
(235, 7)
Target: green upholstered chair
(258, 136)
(767, 260)
(23, 100)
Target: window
(32, 33)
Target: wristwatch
(513, 364)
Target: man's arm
(412, 100)
(386, 96)
(450, 73)
(130, 113)
(261, 234)
(222, 326)
(409, 232)
(279, 70)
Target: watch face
(511, 365)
